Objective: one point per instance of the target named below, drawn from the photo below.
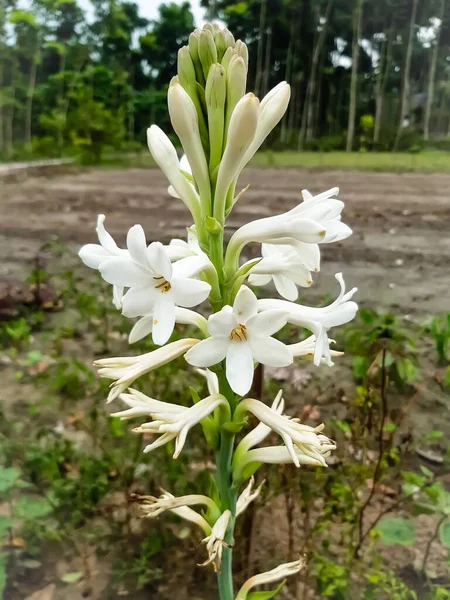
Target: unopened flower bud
(206, 51)
(187, 78)
(215, 95)
(230, 52)
(241, 131)
(186, 71)
(183, 116)
(236, 84)
(242, 50)
(193, 51)
(221, 46)
(229, 38)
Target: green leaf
(427, 472)
(32, 507)
(396, 530)
(9, 478)
(72, 577)
(265, 595)
(3, 565)
(444, 533)
(5, 524)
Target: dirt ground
(398, 255)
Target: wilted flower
(126, 369)
(280, 572)
(215, 542)
(176, 424)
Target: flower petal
(267, 323)
(239, 367)
(190, 266)
(208, 352)
(163, 318)
(159, 261)
(190, 292)
(105, 239)
(221, 323)
(286, 287)
(271, 352)
(137, 245)
(258, 280)
(141, 329)
(121, 270)
(245, 304)
(138, 301)
(93, 255)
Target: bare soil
(398, 255)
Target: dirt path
(398, 255)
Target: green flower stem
(227, 493)
(228, 501)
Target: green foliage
(396, 530)
(332, 578)
(386, 585)
(266, 595)
(439, 329)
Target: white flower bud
(183, 116)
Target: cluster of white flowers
(161, 284)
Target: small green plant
(439, 329)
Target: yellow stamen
(164, 286)
(239, 333)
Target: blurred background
(78, 77)
(80, 82)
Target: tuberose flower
(280, 572)
(240, 335)
(141, 405)
(248, 495)
(126, 369)
(93, 255)
(175, 425)
(296, 436)
(153, 506)
(184, 512)
(318, 320)
(155, 284)
(215, 542)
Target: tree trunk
(432, 75)
(287, 77)
(357, 16)
(259, 55)
(383, 75)
(311, 86)
(405, 85)
(266, 77)
(30, 95)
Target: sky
(149, 8)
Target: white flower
(239, 335)
(155, 284)
(285, 267)
(212, 381)
(165, 155)
(185, 167)
(93, 255)
(280, 572)
(248, 495)
(175, 425)
(306, 348)
(145, 325)
(141, 405)
(296, 436)
(318, 320)
(182, 511)
(277, 455)
(126, 369)
(215, 542)
(261, 431)
(153, 506)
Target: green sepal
(195, 395)
(213, 226)
(239, 476)
(266, 595)
(233, 427)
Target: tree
(357, 25)
(432, 71)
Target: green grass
(427, 161)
